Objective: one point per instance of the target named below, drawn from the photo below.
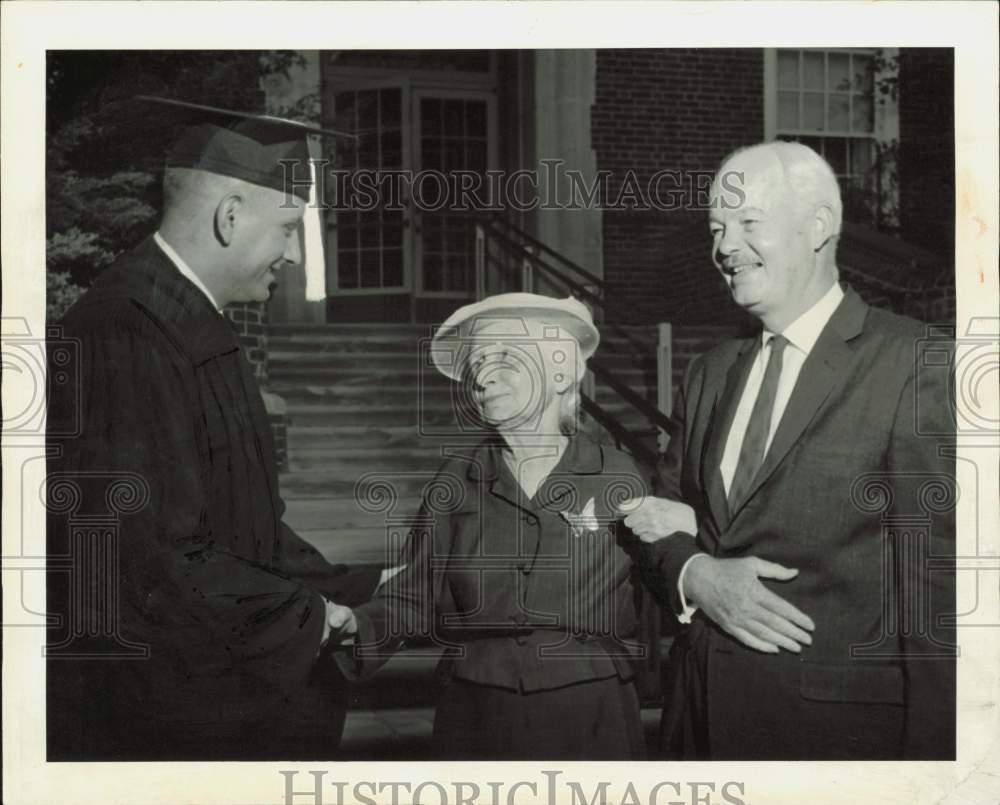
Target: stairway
(362, 400)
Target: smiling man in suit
(816, 631)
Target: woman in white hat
(523, 572)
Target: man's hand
(730, 594)
(340, 622)
(654, 518)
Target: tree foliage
(105, 151)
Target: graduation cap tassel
(313, 261)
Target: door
(453, 130)
(369, 269)
(401, 259)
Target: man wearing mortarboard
(214, 627)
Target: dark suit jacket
(856, 491)
(206, 577)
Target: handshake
(340, 622)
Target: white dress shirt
(802, 335)
(184, 268)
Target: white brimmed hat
(570, 314)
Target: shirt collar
(184, 268)
(804, 332)
(583, 456)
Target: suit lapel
(825, 368)
(722, 420)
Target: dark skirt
(593, 720)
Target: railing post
(664, 377)
(480, 262)
(528, 270)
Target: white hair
(806, 173)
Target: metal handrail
(593, 280)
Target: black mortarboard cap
(260, 149)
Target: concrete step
(434, 422)
(368, 546)
(406, 373)
(341, 483)
(353, 436)
(390, 438)
(352, 459)
(338, 514)
(355, 413)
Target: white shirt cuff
(686, 609)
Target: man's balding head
(804, 172)
(775, 216)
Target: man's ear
(822, 227)
(226, 214)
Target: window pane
(368, 151)
(432, 272)
(815, 143)
(861, 157)
(788, 69)
(476, 156)
(862, 117)
(456, 273)
(839, 78)
(347, 268)
(862, 73)
(370, 274)
(475, 118)
(788, 110)
(836, 154)
(392, 229)
(391, 100)
(392, 149)
(430, 116)
(367, 105)
(430, 155)
(453, 118)
(837, 112)
(343, 103)
(454, 155)
(392, 267)
(812, 111)
(812, 70)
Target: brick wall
(669, 109)
(249, 318)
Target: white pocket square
(586, 520)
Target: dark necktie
(755, 440)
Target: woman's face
(514, 371)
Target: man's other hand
(730, 593)
(651, 519)
(340, 623)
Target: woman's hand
(651, 519)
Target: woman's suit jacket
(522, 597)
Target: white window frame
(886, 115)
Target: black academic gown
(196, 631)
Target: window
(826, 99)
